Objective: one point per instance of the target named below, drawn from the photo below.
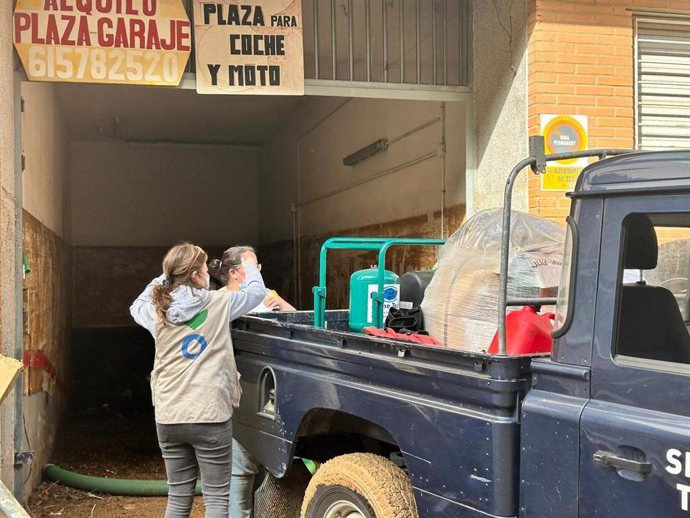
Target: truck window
(563, 306)
(653, 289)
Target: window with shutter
(662, 82)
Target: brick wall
(580, 62)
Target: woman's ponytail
(178, 265)
(218, 272)
(162, 299)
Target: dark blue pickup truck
(600, 428)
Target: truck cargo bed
(452, 414)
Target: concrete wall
(500, 101)
(341, 264)
(306, 160)
(279, 166)
(107, 279)
(8, 266)
(131, 202)
(147, 195)
(404, 180)
(47, 348)
(47, 288)
(393, 193)
(45, 181)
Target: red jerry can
(527, 332)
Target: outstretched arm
(243, 301)
(142, 309)
(274, 301)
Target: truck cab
(600, 427)
(605, 426)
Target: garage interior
(113, 175)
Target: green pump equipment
(366, 303)
(364, 283)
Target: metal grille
(427, 42)
(388, 41)
(662, 83)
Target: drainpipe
(20, 457)
(470, 160)
(443, 170)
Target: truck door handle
(612, 460)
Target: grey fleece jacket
(187, 301)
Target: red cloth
(407, 337)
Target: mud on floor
(104, 445)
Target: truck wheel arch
(325, 433)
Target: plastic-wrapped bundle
(460, 304)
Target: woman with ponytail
(194, 382)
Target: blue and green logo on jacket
(193, 345)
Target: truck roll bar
(537, 161)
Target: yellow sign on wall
(249, 48)
(103, 41)
(562, 134)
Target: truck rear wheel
(359, 485)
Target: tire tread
(381, 483)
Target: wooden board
(9, 370)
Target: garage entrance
(111, 176)
(115, 175)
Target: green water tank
(362, 284)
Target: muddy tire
(359, 485)
(282, 497)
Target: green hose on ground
(109, 486)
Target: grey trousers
(188, 449)
(244, 468)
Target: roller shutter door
(662, 83)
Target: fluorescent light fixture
(364, 153)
